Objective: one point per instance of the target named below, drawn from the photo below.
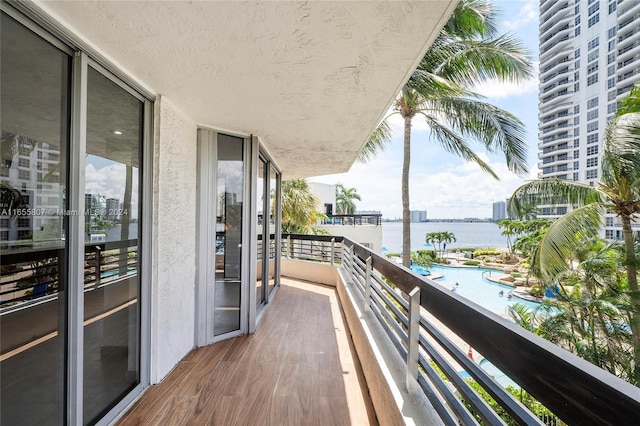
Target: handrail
(102, 265)
(573, 389)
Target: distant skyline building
(499, 210)
(589, 54)
(417, 216)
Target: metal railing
(33, 273)
(318, 248)
(353, 219)
(413, 310)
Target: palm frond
(377, 142)
(472, 62)
(472, 19)
(558, 245)
(496, 129)
(552, 191)
(453, 143)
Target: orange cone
(470, 353)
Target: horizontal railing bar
(471, 396)
(511, 405)
(445, 415)
(401, 315)
(375, 308)
(307, 237)
(454, 402)
(399, 332)
(575, 390)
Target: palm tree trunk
(632, 279)
(406, 223)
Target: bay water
(468, 234)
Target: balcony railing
(353, 219)
(36, 272)
(408, 306)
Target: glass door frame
(206, 236)
(83, 57)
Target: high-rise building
(589, 60)
(417, 216)
(499, 210)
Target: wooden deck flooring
(299, 368)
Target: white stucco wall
(174, 238)
(363, 234)
(326, 193)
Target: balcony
(299, 367)
(349, 347)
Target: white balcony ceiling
(311, 79)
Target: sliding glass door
(71, 217)
(35, 116)
(229, 195)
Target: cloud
(460, 190)
(528, 13)
(110, 181)
(495, 89)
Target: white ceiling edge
(100, 27)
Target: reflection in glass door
(34, 241)
(263, 215)
(112, 285)
(227, 292)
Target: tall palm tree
(344, 199)
(467, 52)
(618, 192)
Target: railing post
(351, 264)
(98, 266)
(333, 251)
(367, 286)
(288, 245)
(412, 339)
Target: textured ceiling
(311, 79)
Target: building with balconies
(589, 59)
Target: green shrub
(516, 275)
(536, 291)
(472, 263)
(489, 252)
(423, 257)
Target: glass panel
(272, 229)
(112, 285)
(33, 177)
(260, 293)
(229, 195)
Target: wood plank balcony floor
(299, 368)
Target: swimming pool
(498, 375)
(474, 287)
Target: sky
(439, 182)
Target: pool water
(472, 285)
(498, 375)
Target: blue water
(474, 287)
(468, 234)
(498, 375)
(421, 270)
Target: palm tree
(467, 52)
(438, 238)
(618, 193)
(344, 199)
(590, 312)
(299, 207)
(508, 227)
